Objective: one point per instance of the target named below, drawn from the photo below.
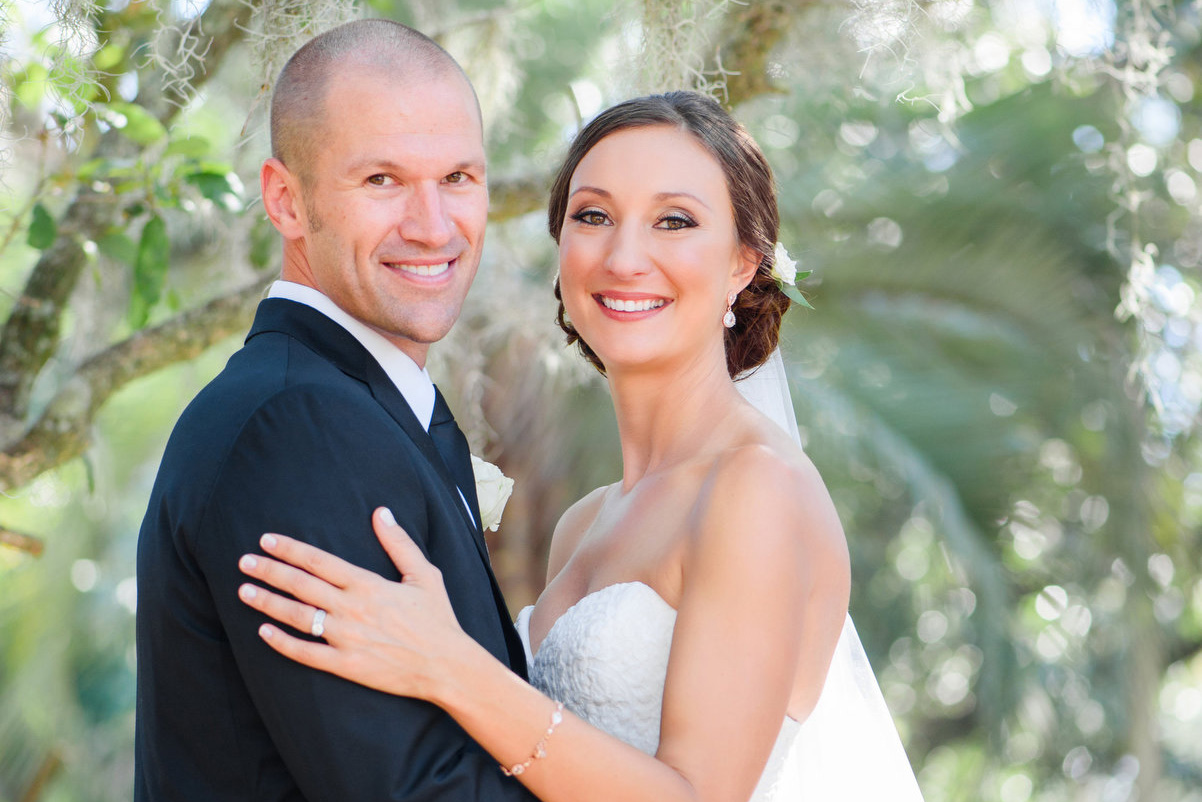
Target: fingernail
(248, 592)
(268, 541)
(386, 516)
(249, 562)
(266, 632)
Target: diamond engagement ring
(318, 627)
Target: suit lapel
(389, 397)
(394, 403)
(339, 346)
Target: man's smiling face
(395, 202)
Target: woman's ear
(748, 262)
(282, 200)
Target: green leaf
(89, 470)
(224, 189)
(108, 57)
(89, 169)
(135, 122)
(263, 242)
(150, 270)
(29, 85)
(106, 169)
(795, 294)
(210, 166)
(118, 247)
(194, 147)
(42, 228)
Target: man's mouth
(425, 270)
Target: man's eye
(378, 180)
(457, 177)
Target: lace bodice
(606, 659)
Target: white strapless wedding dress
(606, 659)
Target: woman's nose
(628, 254)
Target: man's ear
(282, 201)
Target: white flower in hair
(784, 272)
(784, 269)
(493, 489)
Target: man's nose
(426, 220)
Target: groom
(377, 186)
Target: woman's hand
(396, 637)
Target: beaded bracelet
(540, 748)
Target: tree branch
(514, 197)
(752, 32)
(31, 333)
(1179, 650)
(63, 432)
(21, 541)
(49, 767)
(226, 22)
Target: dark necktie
(452, 447)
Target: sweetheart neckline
(534, 653)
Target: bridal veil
(848, 748)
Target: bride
(681, 648)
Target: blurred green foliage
(976, 191)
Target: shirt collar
(414, 383)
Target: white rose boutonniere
(493, 489)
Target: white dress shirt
(413, 382)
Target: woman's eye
(674, 222)
(590, 217)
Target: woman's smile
(627, 306)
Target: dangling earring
(728, 319)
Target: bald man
(377, 186)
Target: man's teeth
(426, 270)
(632, 306)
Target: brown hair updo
(759, 307)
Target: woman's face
(649, 253)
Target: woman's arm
(738, 636)
(765, 590)
(402, 638)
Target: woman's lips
(629, 308)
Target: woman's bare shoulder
(767, 502)
(571, 528)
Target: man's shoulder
(276, 402)
(274, 376)
(268, 366)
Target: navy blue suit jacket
(302, 433)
